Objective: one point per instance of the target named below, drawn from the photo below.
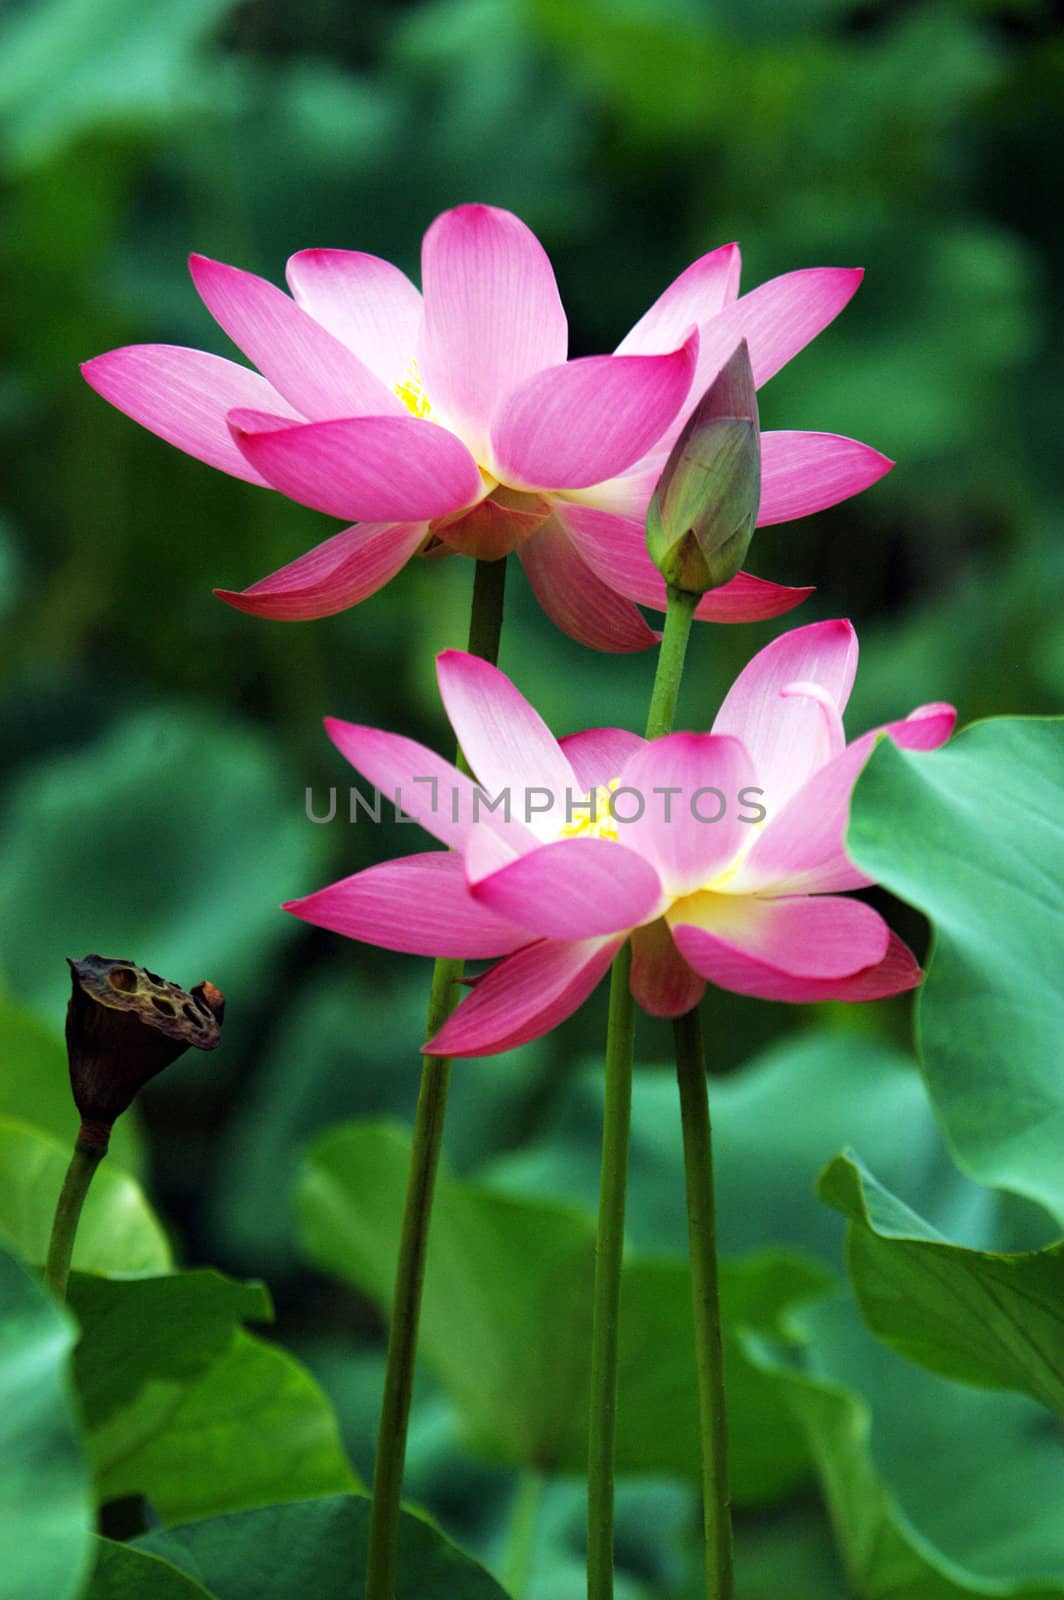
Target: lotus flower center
(592, 817)
(411, 392)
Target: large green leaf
(936, 1490)
(498, 1269)
(315, 1070)
(316, 1547)
(123, 1572)
(181, 1409)
(118, 1232)
(254, 1428)
(506, 1317)
(775, 1125)
(969, 1314)
(35, 1085)
(974, 836)
(46, 1507)
(656, 1425)
(185, 873)
(153, 1330)
(791, 1554)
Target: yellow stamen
(592, 818)
(411, 392)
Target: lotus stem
(485, 626)
(88, 1153)
(705, 1295)
(617, 1116)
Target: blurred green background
(155, 746)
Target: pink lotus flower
(752, 907)
(453, 421)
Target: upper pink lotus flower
(453, 421)
(748, 905)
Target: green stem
(617, 1116)
(705, 1294)
(524, 1514)
(485, 626)
(88, 1153)
(609, 1249)
(485, 615)
(672, 653)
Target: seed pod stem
(83, 1163)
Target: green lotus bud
(703, 511)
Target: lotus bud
(703, 511)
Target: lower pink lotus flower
(749, 905)
(452, 420)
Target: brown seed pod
(124, 1025)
